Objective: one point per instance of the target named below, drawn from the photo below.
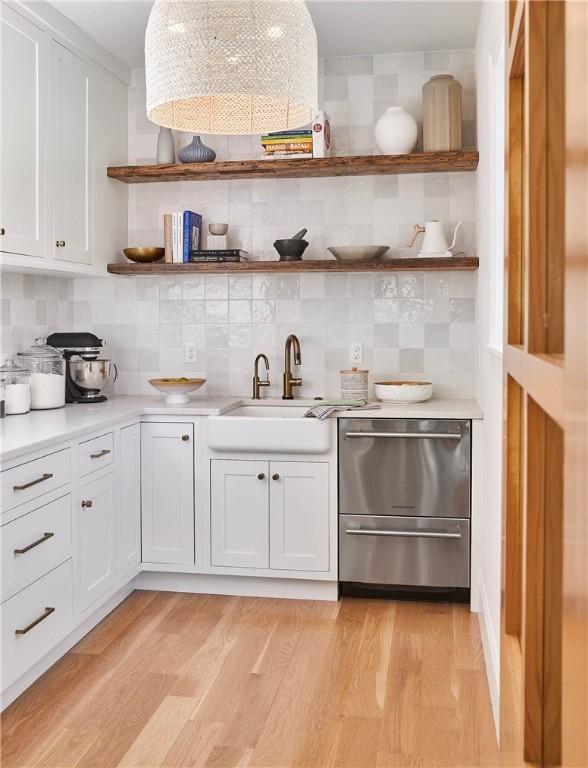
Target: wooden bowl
(145, 255)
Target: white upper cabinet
(23, 50)
(72, 157)
(167, 493)
(64, 120)
(299, 515)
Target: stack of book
(181, 234)
(287, 144)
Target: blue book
(192, 227)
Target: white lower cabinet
(269, 514)
(96, 538)
(128, 507)
(239, 513)
(167, 493)
(35, 620)
(299, 515)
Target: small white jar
(354, 384)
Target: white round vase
(396, 132)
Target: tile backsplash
(415, 324)
(419, 324)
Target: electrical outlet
(356, 352)
(189, 352)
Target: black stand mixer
(85, 373)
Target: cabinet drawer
(34, 544)
(95, 454)
(34, 478)
(404, 551)
(34, 621)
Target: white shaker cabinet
(269, 514)
(167, 492)
(23, 50)
(72, 157)
(96, 512)
(299, 515)
(239, 512)
(128, 508)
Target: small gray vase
(196, 152)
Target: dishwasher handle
(425, 435)
(408, 534)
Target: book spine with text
(167, 238)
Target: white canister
(396, 132)
(354, 384)
(18, 387)
(47, 367)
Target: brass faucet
(289, 382)
(256, 382)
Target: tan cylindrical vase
(441, 114)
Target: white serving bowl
(358, 252)
(403, 391)
(177, 389)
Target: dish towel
(326, 409)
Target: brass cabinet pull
(185, 438)
(33, 624)
(60, 243)
(87, 503)
(261, 476)
(45, 537)
(46, 476)
(275, 477)
(100, 454)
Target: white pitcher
(434, 242)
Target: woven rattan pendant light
(231, 66)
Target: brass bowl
(145, 255)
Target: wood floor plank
(155, 740)
(180, 681)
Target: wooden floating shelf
(355, 165)
(421, 264)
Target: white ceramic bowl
(358, 252)
(177, 389)
(403, 391)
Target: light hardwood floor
(192, 680)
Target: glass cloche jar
(47, 367)
(18, 387)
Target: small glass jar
(18, 387)
(47, 367)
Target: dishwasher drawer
(404, 551)
(408, 467)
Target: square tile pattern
(410, 324)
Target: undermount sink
(263, 428)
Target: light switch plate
(189, 352)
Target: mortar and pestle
(292, 248)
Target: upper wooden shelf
(355, 165)
(392, 265)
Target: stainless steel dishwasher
(404, 505)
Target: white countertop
(39, 429)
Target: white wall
(490, 194)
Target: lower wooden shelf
(421, 264)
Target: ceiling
(344, 27)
